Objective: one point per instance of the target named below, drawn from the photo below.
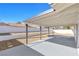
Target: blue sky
(18, 12)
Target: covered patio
(62, 15)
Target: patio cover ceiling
(64, 14)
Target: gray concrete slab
(20, 51)
(68, 41)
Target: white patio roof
(64, 14)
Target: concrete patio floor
(20, 51)
(55, 46)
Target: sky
(18, 12)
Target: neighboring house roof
(20, 25)
(16, 25)
(11, 24)
(4, 24)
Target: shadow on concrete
(63, 40)
(20, 51)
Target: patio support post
(40, 32)
(26, 33)
(48, 31)
(76, 34)
(53, 31)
